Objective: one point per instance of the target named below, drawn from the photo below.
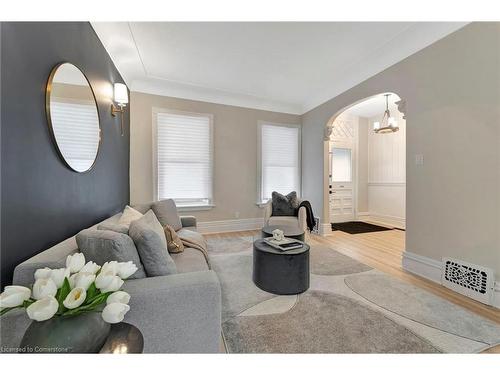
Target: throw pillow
(129, 215)
(102, 246)
(174, 243)
(166, 212)
(115, 227)
(149, 238)
(285, 205)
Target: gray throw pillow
(166, 212)
(102, 246)
(115, 227)
(285, 205)
(149, 238)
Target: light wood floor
(383, 251)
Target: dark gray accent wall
(42, 201)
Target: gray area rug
(229, 245)
(322, 323)
(416, 304)
(238, 290)
(325, 261)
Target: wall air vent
(468, 279)
(316, 229)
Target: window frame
(210, 116)
(260, 123)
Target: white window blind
(75, 126)
(280, 160)
(184, 158)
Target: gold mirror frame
(48, 92)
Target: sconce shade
(120, 93)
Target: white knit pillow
(129, 215)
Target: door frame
(353, 145)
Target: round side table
(280, 272)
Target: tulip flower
(90, 267)
(75, 298)
(42, 309)
(13, 296)
(120, 297)
(108, 282)
(82, 280)
(75, 262)
(58, 276)
(44, 288)
(110, 267)
(126, 269)
(115, 312)
(42, 273)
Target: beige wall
(452, 91)
(235, 153)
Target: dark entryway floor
(357, 227)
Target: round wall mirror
(72, 116)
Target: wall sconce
(120, 96)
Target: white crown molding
(118, 40)
(161, 87)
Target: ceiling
(287, 67)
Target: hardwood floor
(383, 251)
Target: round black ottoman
(280, 272)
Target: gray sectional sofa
(178, 313)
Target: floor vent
(469, 279)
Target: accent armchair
(300, 220)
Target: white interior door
(341, 182)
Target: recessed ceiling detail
(286, 67)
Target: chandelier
(388, 124)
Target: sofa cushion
(149, 238)
(102, 246)
(142, 207)
(166, 212)
(129, 214)
(120, 228)
(285, 205)
(190, 260)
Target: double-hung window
(76, 119)
(183, 156)
(279, 159)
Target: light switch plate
(419, 159)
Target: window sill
(204, 207)
(261, 205)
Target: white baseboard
(391, 221)
(496, 295)
(430, 269)
(230, 225)
(325, 229)
(422, 266)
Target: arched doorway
(365, 168)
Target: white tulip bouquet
(78, 288)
